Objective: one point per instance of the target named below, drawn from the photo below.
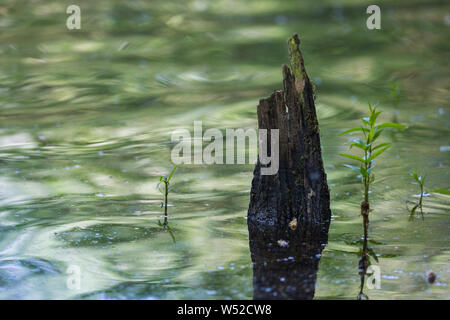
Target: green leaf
(441, 191)
(359, 144)
(351, 156)
(370, 137)
(173, 237)
(416, 177)
(363, 172)
(391, 125)
(422, 180)
(353, 167)
(353, 130)
(376, 154)
(373, 117)
(171, 174)
(376, 133)
(381, 145)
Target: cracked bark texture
(289, 212)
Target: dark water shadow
(289, 274)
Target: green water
(85, 126)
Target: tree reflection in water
(287, 273)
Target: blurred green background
(86, 118)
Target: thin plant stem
(166, 193)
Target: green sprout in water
(371, 132)
(370, 150)
(419, 180)
(166, 181)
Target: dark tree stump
(289, 212)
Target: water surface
(85, 126)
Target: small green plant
(419, 180)
(370, 151)
(166, 181)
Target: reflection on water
(364, 261)
(85, 125)
(291, 276)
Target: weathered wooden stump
(289, 212)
